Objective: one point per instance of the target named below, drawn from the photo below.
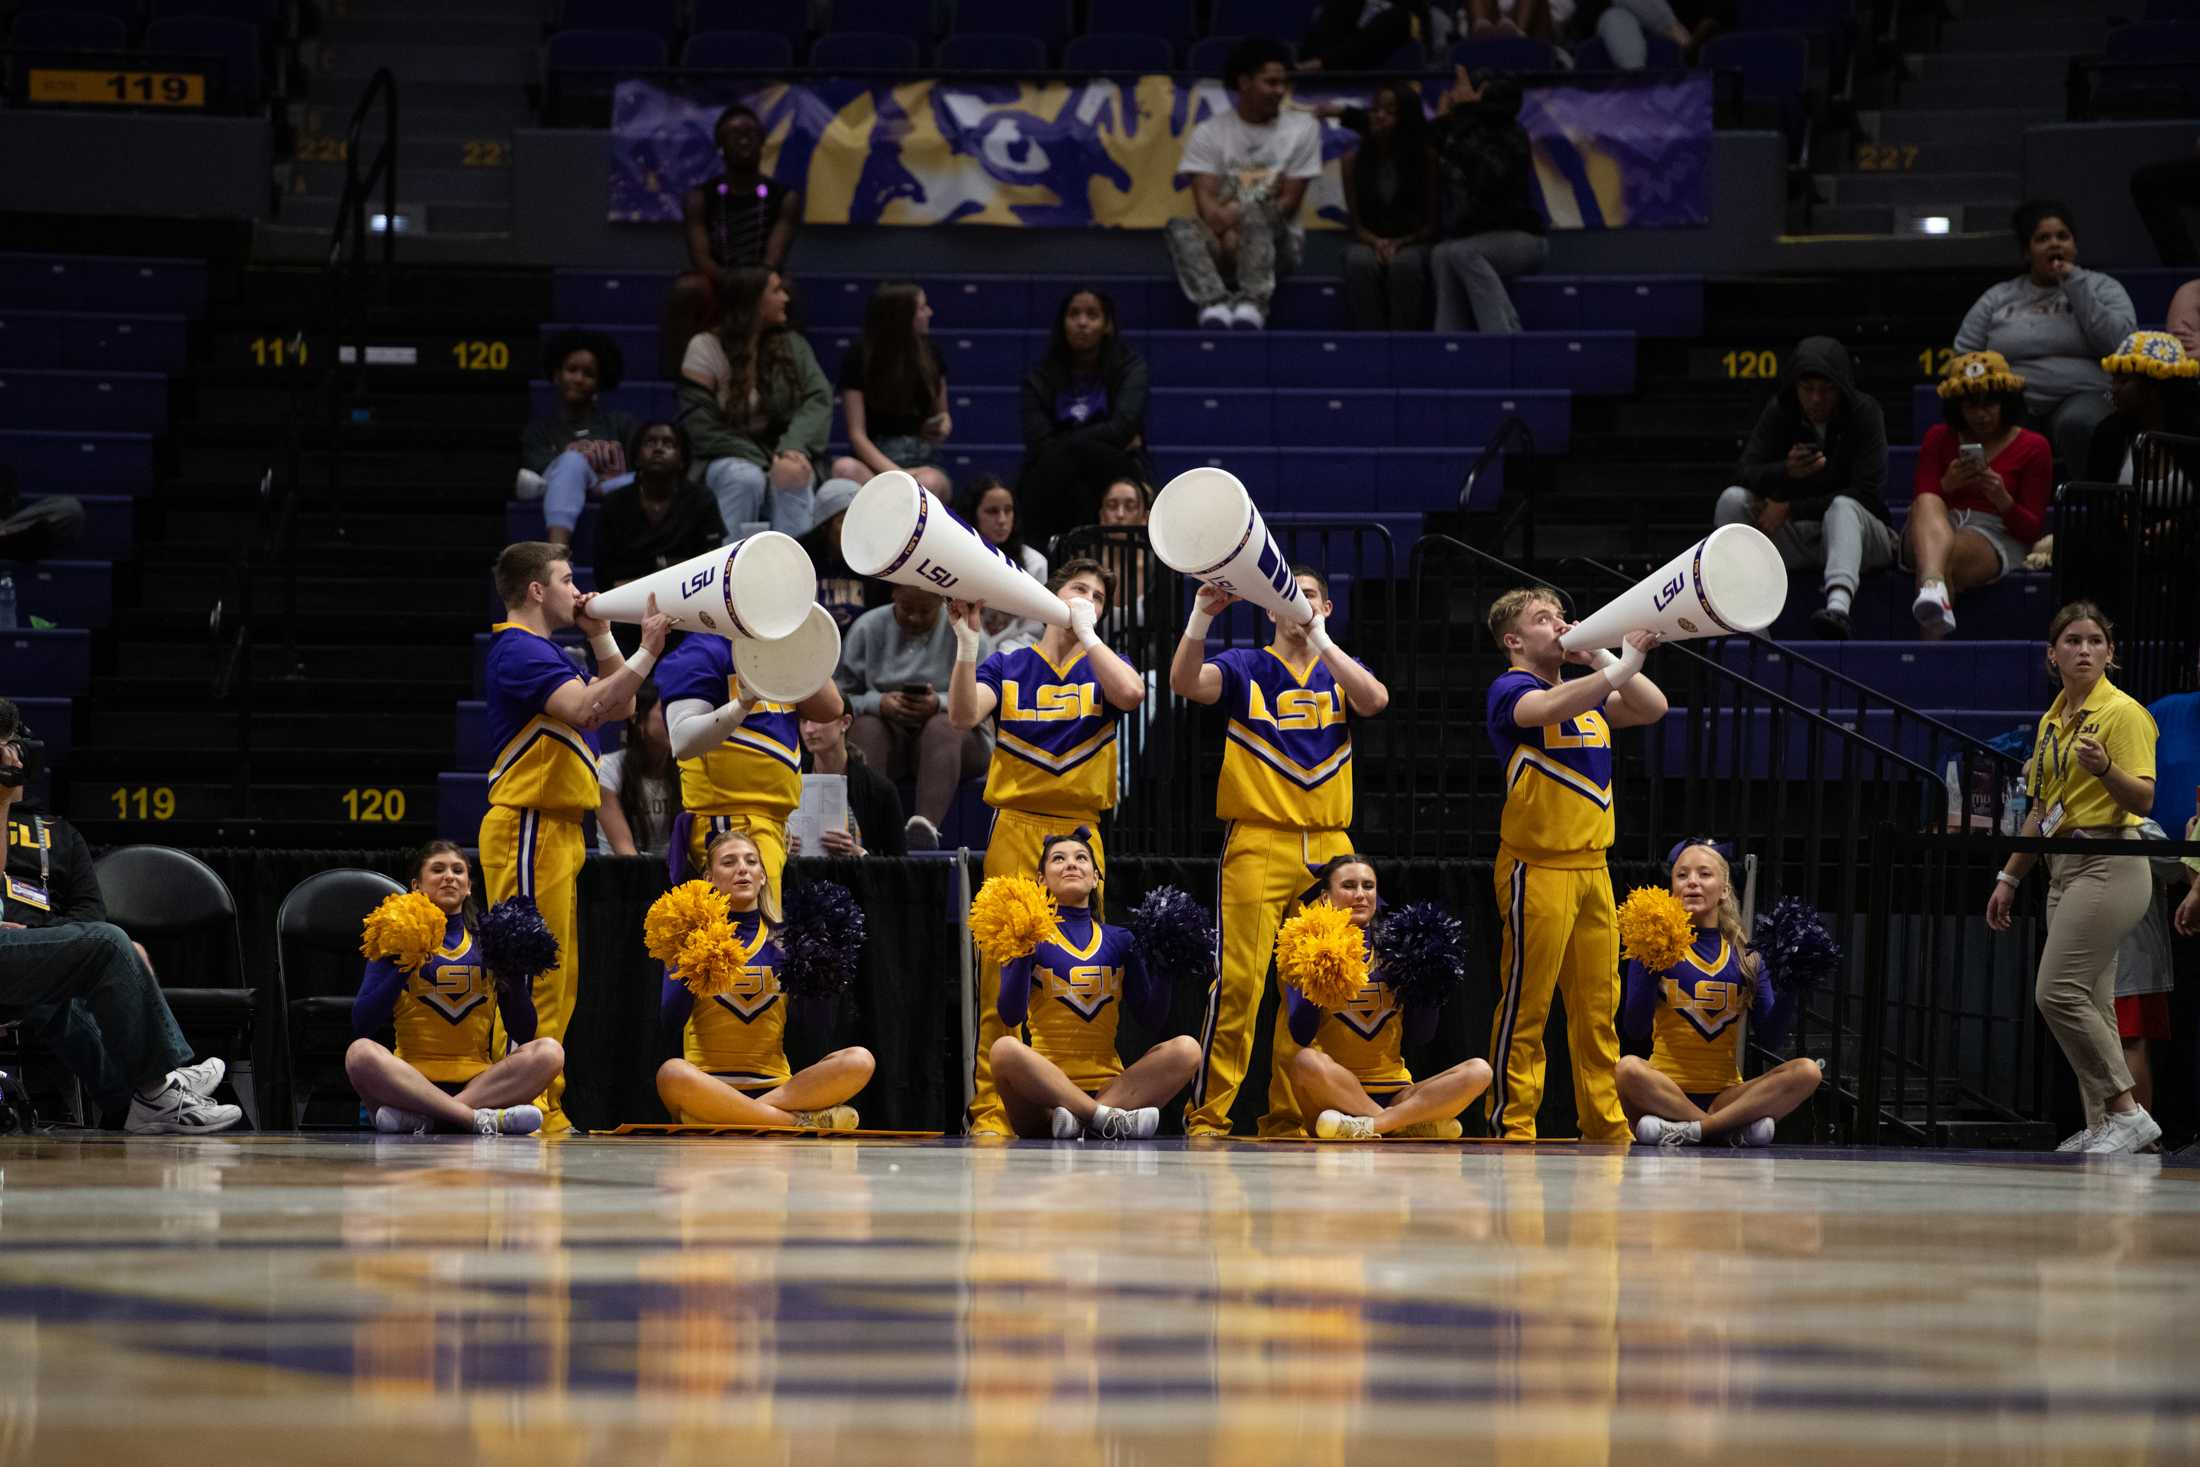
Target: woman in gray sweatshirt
(2053, 324)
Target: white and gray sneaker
(1248, 316)
(2124, 1130)
(203, 1077)
(1335, 1125)
(831, 1118)
(2077, 1140)
(1214, 318)
(1111, 1124)
(1757, 1133)
(1065, 1124)
(391, 1121)
(1656, 1131)
(178, 1111)
(509, 1120)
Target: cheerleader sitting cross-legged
(1068, 1081)
(1350, 1077)
(445, 1073)
(733, 1070)
(1690, 1091)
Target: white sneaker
(201, 1078)
(391, 1121)
(1248, 315)
(2120, 1131)
(1757, 1133)
(1936, 617)
(2077, 1139)
(1111, 1124)
(1215, 318)
(1335, 1125)
(832, 1118)
(921, 834)
(509, 1120)
(1066, 1126)
(1656, 1131)
(178, 1111)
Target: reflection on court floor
(805, 1301)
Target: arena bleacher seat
(1504, 53)
(68, 30)
(234, 45)
(1258, 18)
(661, 18)
(911, 19)
(737, 49)
(1046, 21)
(1660, 53)
(787, 18)
(992, 51)
(1774, 66)
(1118, 51)
(864, 51)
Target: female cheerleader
(1691, 1090)
(1350, 1076)
(1068, 1080)
(445, 1073)
(734, 1072)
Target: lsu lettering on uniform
(1053, 771)
(751, 782)
(739, 1036)
(446, 1012)
(542, 783)
(1069, 997)
(1286, 798)
(1554, 903)
(1693, 1014)
(1367, 1036)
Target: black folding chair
(317, 955)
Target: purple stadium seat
(1504, 53)
(1171, 20)
(789, 18)
(2166, 40)
(863, 51)
(234, 43)
(1409, 57)
(1661, 53)
(68, 593)
(91, 341)
(1795, 15)
(1045, 20)
(92, 463)
(738, 50)
(103, 283)
(1207, 57)
(603, 51)
(1774, 66)
(1285, 22)
(64, 30)
(992, 51)
(55, 664)
(911, 19)
(94, 402)
(1118, 51)
(659, 17)
(1326, 359)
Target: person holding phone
(1812, 478)
(895, 666)
(1983, 483)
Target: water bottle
(7, 602)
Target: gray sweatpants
(1847, 542)
(1267, 248)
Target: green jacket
(798, 417)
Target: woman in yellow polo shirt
(2092, 774)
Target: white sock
(1837, 599)
(155, 1089)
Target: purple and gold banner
(1103, 154)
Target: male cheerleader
(1054, 764)
(542, 721)
(1285, 798)
(1554, 893)
(740, 759)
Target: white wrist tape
(1620, 673)
(1317, 635)
(1601, 659)
(2004, 876)
(606, 648)
(1195, 627)
(968, 641)
(641, 662)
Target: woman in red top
(1983, 484)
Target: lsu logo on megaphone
(699, 581)
(1667, 592)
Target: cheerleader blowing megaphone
(897, 532)
(762, 588)
(795, 666)
(1732, 580)
(1204, 525)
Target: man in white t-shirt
(1249, 168)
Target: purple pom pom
(1794, 942)
(1420, 951)
(517, 946)
(821, 941)
(1175, 937)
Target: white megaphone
(1206, 526)
(898, 532)
(793, 667)
(1732, 580)
(762, 588)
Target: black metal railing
(2134, 549)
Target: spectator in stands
(1390, 189)
(2183, 319)
(744, 219)
(839, 589)
(874, 806)
(894, 667)
(33, 531)
(566, 457)
(661, 518)
(1359, 35)
(1812, 478)
(1248, 168)
(641, 783)
(989, 504)
(1982, 489)
(81, 985)
(2053, 324)
(2154, 387)
(1493, 18)
(1625, 26)
(1486, 216)
(893, 392)
(757, 408)
(1084, 413)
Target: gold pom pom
(1321, 954)
(680, 911)
(407, 929)
(1654, 928)
(1011, 916)
(709, 959)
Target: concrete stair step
(1852, 219)
(1966, 92)
(1925, 188)
(318, 212)
(423, 13)
(427, 64)
(433, 29)
(2013, 69)
(2007, 10)
(1994, 155)
(428, 185)
(2072, 32)
(1931, 126)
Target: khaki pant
(2093, 902)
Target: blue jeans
(741, 489)
(565, 486)
(87, 971)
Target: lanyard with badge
(2058, 754)
(31, 896)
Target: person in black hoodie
(1486, 216)
(1084, 412)
(1811, 478)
